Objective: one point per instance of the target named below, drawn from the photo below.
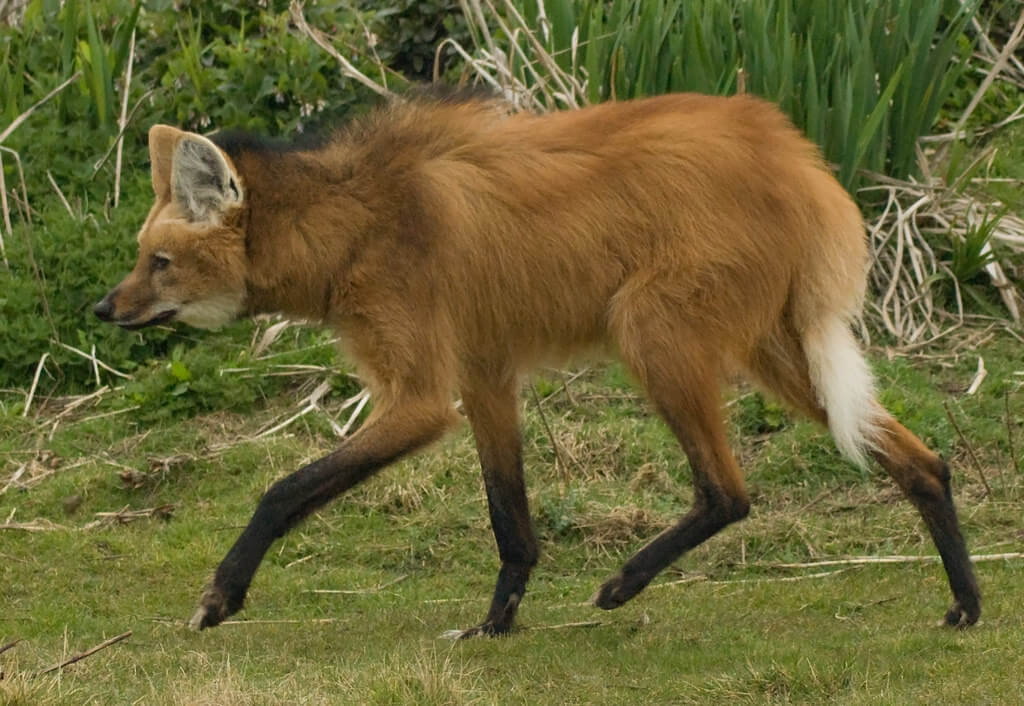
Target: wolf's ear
(203, 183)
(162, 141)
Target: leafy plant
(970, 254)
(79, 260)
(973, 251)
(758, 415)
(92, 38)
(406, 34)
(239, 65)
(102, 62)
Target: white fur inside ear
(202, 181)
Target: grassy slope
(736, 632)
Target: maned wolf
(454, 247)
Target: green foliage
(189, 380)
(972, 252)
(239, 65)
(197, 64)
(408, 32)
(758, 415)
(59, 268)
(92, 38)
(864, 80)
(1007, 161)
(558, 515)
(68, 135)
(969, 254)
(101, 63)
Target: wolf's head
(192, 261)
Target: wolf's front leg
(392, 433)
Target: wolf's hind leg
(682, 380)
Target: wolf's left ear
(203, 183)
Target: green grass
(414, 544)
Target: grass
(412, 552)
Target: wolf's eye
(159, 262)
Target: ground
(115, 519)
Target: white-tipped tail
(845, 387)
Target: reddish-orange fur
(454, 248)
(517, 240)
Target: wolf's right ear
(162, 141)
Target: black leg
(383, 440)
(710, 513)
(925, 479)
(493, 416)
(686, 394)
(940, 518)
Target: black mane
(235, 142)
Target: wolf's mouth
(160, 318)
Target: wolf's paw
(214, 607)
(486, 629)
(617, 590)
(962, 616)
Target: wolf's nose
(104, 310)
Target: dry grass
(21, 688)
(205, 683)
(434, 677)
(653, 478)
(607, 529)
(431, 677)
(403, 495)
(906, 265)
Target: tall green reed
(864, 78)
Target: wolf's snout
(104, 310)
